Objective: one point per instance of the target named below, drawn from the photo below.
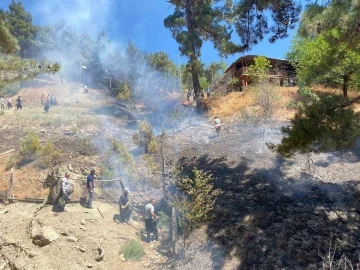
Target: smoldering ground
(272, 213)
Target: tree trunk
(346, 79)
(193, 55)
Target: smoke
(80, 14)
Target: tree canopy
(195, 21)
(326, 51)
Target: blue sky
(138, 20)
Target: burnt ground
(272, 213)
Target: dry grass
(237, 102)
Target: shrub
(133, 251)
(30, 146)
(196, 200)
(124, 156)
(50, 156)
(124, 92)
(145, 137)
(150, 162)
(163, 220)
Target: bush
(133, 251)
(124, 156)
(50, 156)
(124, 92)
(30, 146)
(163, 220)
(145, 137)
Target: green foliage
(325, 50)
(145, 137)
(321, 125)
(124, 92)
(198, 199)
(259, 70)
(10, 90)
(30, 146)
(107, 172)
(124, 156)
(160, 61)
(118, 159)
(233, 85)
(204, 84)
(133, 251)
(50, 156)
(8, 43)
(164, 220)
(150, 162)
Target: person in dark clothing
(47, 106)
(125, 206)
(19, 103)
(150, 221)
(90, 187)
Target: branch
(348, 103)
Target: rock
(43, 236)
(122, 257)
(83, 222)
(82, 249)
(72, 238)
(32, 255)
(89, 265)
(71, 169)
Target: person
(90, 187)
(125, 206)
(66, 190)
(188, 95)
(86, 89)
(208, 92)
(42, 99)
(52, 99)
(150, 221)
(9, 103)
(47, 106)
(217, 125)
(2, 103)
(19, 103)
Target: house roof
(251, 56)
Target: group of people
(125, 207)
(50, 100)
(8, 102)
(202, 94)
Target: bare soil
(272, 213)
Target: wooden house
(281, 71)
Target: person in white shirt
(217, 125)
(67, 189)
(150, 221)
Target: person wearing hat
(90, 187)
(125, 206)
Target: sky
(140, 21)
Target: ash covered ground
(272, 213)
